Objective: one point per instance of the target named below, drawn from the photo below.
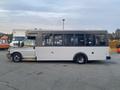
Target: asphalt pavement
(95, 75)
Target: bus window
(90, 40)
(79, 40)
(4, 41)
(69, 40)
(58, 40)
(100, 40)
(47, 40)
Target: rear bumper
(108, 57)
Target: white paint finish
(67, 53)
(62, 53)
(27, 52)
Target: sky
(48, 14)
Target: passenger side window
(100, 40)
(58, 40)
(69, 39)
(47, 40)
(79, 40)
(90, 40)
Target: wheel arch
(80, 53)
(17, 53)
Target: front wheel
(16, 57)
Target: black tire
(80, 59)
(16, 57)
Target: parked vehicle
(118, 49)
(4, 42)
(78, 46)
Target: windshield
(18, 38)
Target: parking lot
(95, 75)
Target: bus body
(79, 46)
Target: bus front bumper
(8, 55)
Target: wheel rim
(16, 58)
(80, 59)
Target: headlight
(8, 50)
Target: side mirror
(21, 44)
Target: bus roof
(36, 32)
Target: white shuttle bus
(78, 46)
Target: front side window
(29, 42)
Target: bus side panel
(53, 53)
(99, 53)
(67, 53)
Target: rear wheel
(16, 57)
(80, 59)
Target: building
(117, 34)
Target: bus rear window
(101, 40)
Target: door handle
(52, 52)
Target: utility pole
(63, 23)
